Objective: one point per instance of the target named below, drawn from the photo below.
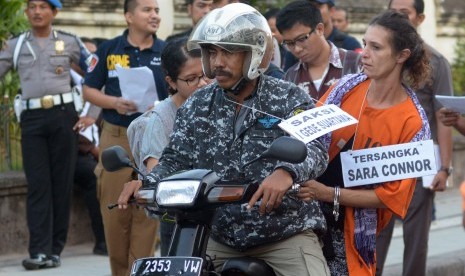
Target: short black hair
(298, 12)
(129, 5)
(88, 40)
(418, 5)
(273, 12)
(99, 40)
(344, 10)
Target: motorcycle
(192, 197)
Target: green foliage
(12, 17)
(458, 66)
(13, 22)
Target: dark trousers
(416, 225)
(49, 148)
(85, 178)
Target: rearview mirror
(285, 149)
(115, 158)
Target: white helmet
(235, 27)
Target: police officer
(129, 234)
(43, 57)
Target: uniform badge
(92, 63)
(268, 122)
(59, 47)
(297, 111)
(59, 70)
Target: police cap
(54, 3)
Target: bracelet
(447, 170)
(337, 193)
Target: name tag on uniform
(59, 47)
(388, 163)
(313, 123)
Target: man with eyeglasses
(320, 63)
(196, 9)
(340, 39)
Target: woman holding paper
(388, 113)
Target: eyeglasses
(194, 81)
(290, 44)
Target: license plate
(167, 266)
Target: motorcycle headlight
(177, 193)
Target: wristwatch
(448, 170)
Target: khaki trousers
(129, 233)
(299, 255)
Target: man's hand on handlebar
(130, 189)
(271, 191)
(310, 190)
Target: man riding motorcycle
(232, 121)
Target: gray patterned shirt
(204, 137)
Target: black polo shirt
(119, 51)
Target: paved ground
(446, 255)
(446, 252)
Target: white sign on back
(313, 123)
(388, 163)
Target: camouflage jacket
(209, 135)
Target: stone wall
(105, 19)
(14, 235)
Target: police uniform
(47, 137)
(129, 233)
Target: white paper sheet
(313, 123)
(428, 179)
(138, 85)
(91, 132)
(452, 102)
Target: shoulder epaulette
(64, 33)
(26, 32)
(15, 36)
